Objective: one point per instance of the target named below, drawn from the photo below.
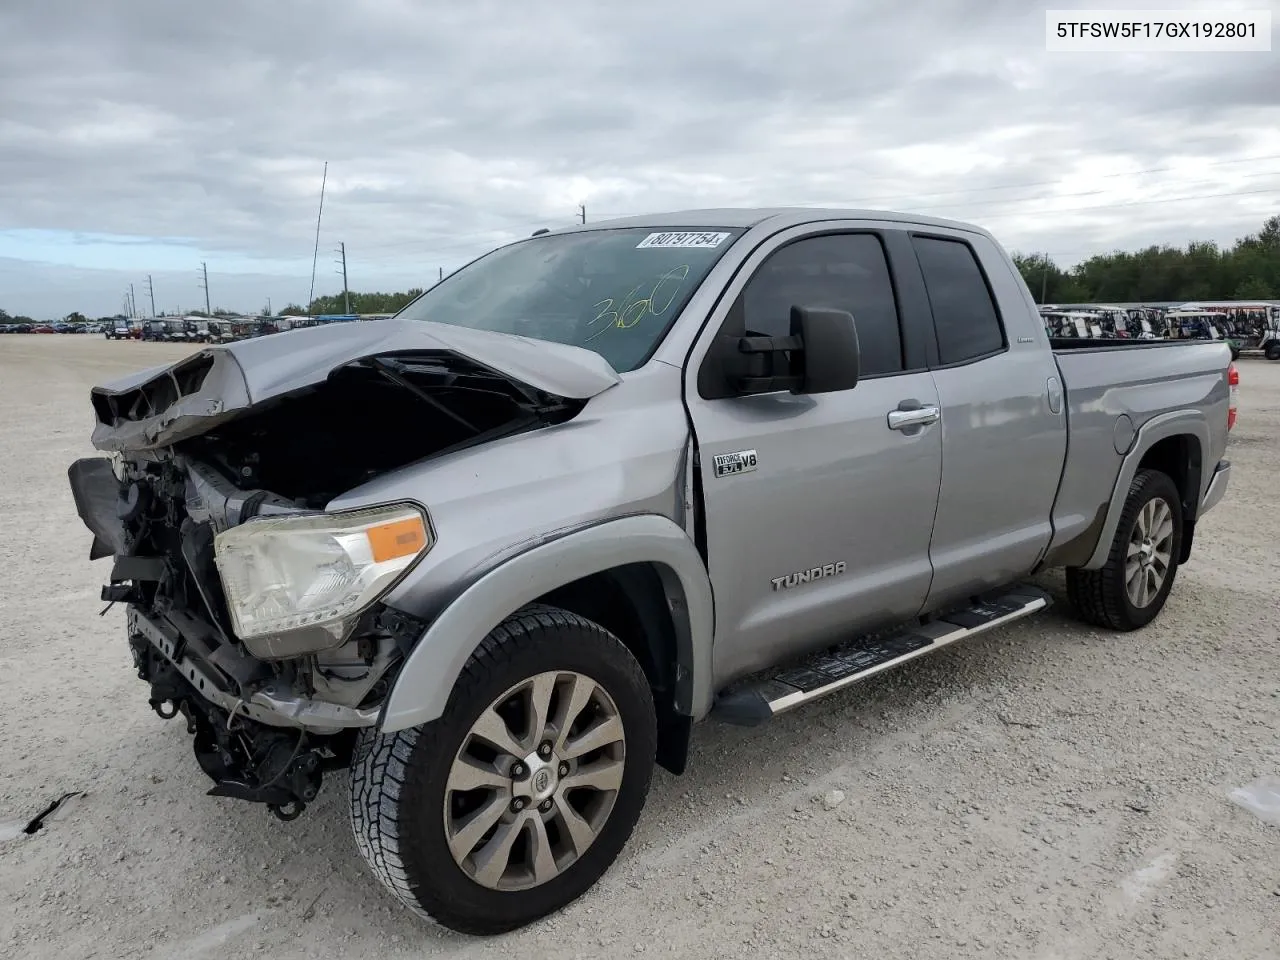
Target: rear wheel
(1130, 589)
(517, 800)
(1273, 351)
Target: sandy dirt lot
(1044, 792)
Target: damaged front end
(253, 612)
(271, 710)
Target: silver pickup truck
(496, 556)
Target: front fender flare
(422, 689)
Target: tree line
(360, 303)
(1248, 270)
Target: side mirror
(831, 354)
(820, 356)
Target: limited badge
(727, 464)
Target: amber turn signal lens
(401, 538)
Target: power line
(439, 248)
(497, 237)
(487, 239)
(1043, 183)
(1140, 203)
(1207, 163)
(1106, 206)
(1046, 198)
(464, 241)
(858, 201)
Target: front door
(818, 508)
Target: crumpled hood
(163, 405)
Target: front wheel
(1272, 352)
(521, 795)
(1130, 589)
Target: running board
(845, 665)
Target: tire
(1272, 352)
(1102, 597)
(400, 781)
(1235, 353)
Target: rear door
(819, 514)
(1003, 423)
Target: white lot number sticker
(708, 240)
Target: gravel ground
(1045, 791)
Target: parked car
(661, 470)
(120, 330)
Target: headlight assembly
(312, 574)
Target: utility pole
(204, 270)
(346, 294)
(151, 290)
(133, 304)
(441, 275)
(1044, 281)
(582, 212)
(269, 313)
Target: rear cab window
(965, 316)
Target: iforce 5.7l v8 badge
(727, 464)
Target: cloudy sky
(146, 136)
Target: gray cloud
(449, 128)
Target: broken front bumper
(224, 677)
(255, 744)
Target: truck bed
(1112, 391)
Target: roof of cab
(778, 217)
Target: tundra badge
(807, 576)
(726, 464)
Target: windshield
(612, 291)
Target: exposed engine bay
(270, 715)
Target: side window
(838, 271)
(964, 314)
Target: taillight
(1233, 382)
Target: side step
(847, 664)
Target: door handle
(911, 414)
